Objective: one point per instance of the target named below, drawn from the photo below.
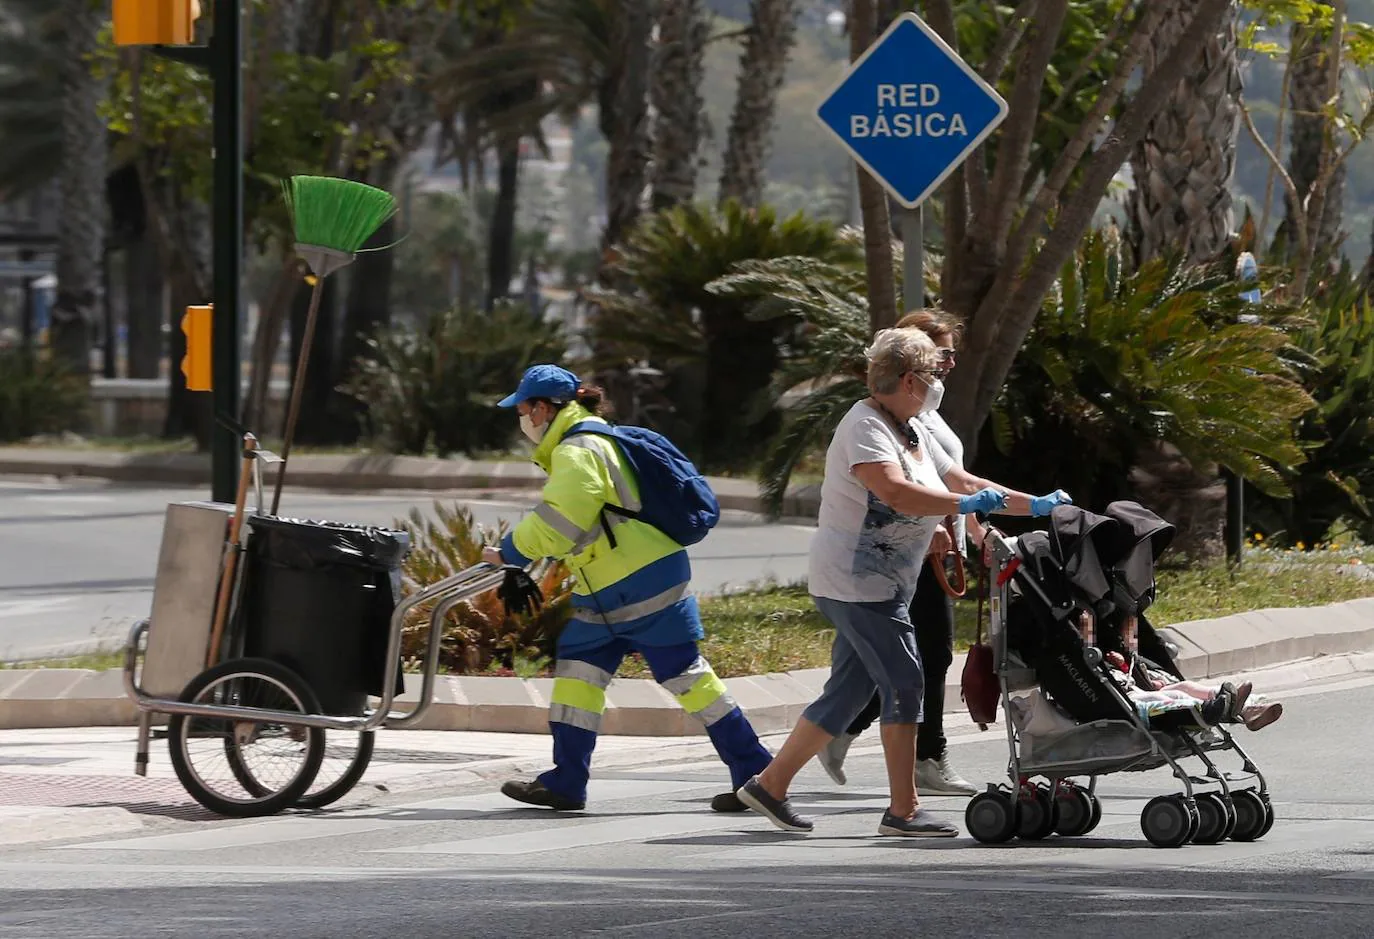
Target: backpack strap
(618, 480)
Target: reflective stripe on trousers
(579, 694)
(701, 693)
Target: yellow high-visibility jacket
(641, 588)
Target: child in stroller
(1085, 716)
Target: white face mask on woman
(531, 430)
(935, 393)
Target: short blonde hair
(894, 353)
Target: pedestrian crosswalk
(656, 813)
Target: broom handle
(297, 387)
(231, 556)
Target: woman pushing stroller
(887, 488)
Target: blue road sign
(910, 110)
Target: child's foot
(1258, 716)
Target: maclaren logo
(1078, 679)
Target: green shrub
(479, 636)
(436, 389)
(38, 396)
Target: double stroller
(1068, 715)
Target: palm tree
(81, 227)
(1182, 203)
(574, 52)
(676, 97)
(762, 68)
(31, 56)
(1184, 164)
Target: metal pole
(226, 69)
(913, 268)
(1235, 518)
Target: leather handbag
(979, 687)
(940, 565)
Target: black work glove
(519, 592)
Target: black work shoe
(777, 811)
(728, 802)
(921, 825)
(535, 793)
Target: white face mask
(531, 430)
(935, 393)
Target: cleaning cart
(267, 634)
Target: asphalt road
(77, 560)
(649, 858)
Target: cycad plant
(1337, 480)
(479, 635)
(1114, 363)
(722, 359)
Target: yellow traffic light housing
(155, 22)
(197, 325)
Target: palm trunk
(676, 97)
(1308, 93)
(1184, 164)
(145, 289)
(81, 227)
(625, 120)
(882, 280)
(762, 68)
(266, 342)
(501, 248)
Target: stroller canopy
(1079, 538)
(1130, 553)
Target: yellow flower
(1259, 536)
(1300, 546)
(1335, 546)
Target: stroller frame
(1034, 811)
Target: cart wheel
(1039, 814)
(1097, 812)
(1075, 811)
(1166, 822)
(269, 765)
(1250, 815)
(990, 817)
(1213, 818)
(342, 768)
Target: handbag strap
(938, 564)
(982, 581)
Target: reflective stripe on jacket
(639, 589)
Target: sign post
(909, 111)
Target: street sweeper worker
(631, 593)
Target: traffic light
(196, 324)
(155, 22)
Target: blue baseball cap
(544, 381)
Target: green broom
(333, 218)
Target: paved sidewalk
(65, 783)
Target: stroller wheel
(1039, 813)
(1075, 811)
(1251, 814)
(1097, 813)
(1268, 815)
(991, 817)
(1166, 822)
(1213, 818)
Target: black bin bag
(317, 597)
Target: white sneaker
(936, 778)
(832, 757)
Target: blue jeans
(875, 648)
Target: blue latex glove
(983, 501)
(1041, 505)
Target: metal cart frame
(448, 593)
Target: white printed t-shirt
(863, 550)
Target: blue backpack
(676, 499)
